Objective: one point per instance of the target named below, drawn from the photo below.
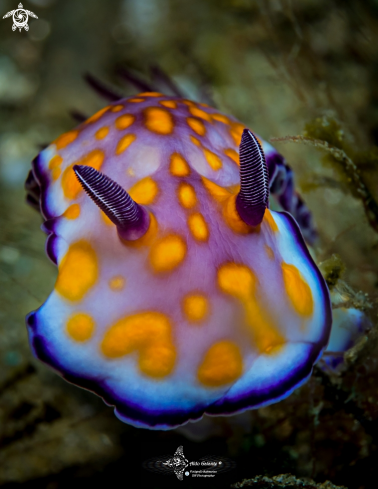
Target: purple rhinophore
(253, 197)
(283, 189)
(131, 219)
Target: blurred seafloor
(277, 65)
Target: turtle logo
(20, 18)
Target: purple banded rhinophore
(179, 291)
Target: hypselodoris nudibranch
(179, 292)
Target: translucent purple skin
(180, 397)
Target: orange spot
(186, 195)
(195, 141)
(80, 326)
(136, 100)
(232, 218)
(231, 153)
(213, 160)
(55, 162)
(221, 365)
(298, 290)
(196, 112)
(65, 139)
(158, 120)
(124, 121)
(270, 220)
(220, 194)
(70, 184)
(73, 212)
(97, 115)
(240, 282)
(105, 218)
(55, 174)
(78, 271)
(198, 227)
(144, 191)
(116, 108)
(195, 307)
(117, 283)
(221, 118)
(150, 94)
(178, 166)
(148, 237)
(124, 143)
(102, 133)
(269, 252)
(171, 104)
(150, 334)
(197, 126)
(189, 103)
(236, 132)
(167, 253)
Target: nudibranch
(179, 291)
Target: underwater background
(301, 72)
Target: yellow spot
(136, 100)
(124, 143)
(144, 191)
(221, 365)
(240, 282)
(78, 271)
(195, 141)
(148, 237)
(237, 280)
(106, 219)
(298, 290)
(158, 120)
(150, 94)
(269, 219)
(195, 307)
(232, 218)
(179, 166)
(55, 174)
(148, 333)
(231, 153)
(198, 227)
(117, 283)
(102, 132)
(97, 115)
(116, 108)
(220, 194)
(236, 132)
(73, 212)
(167, 253)
(130, 171)
(171, 104)
(196, 112)
(197, 126)
(269, 252)
(124, 121)
(221, 118)
(213, 160)
(70, 184)
(55, 162)
(80, 326)
(189, 103)
(187, 195)
(66, 139)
